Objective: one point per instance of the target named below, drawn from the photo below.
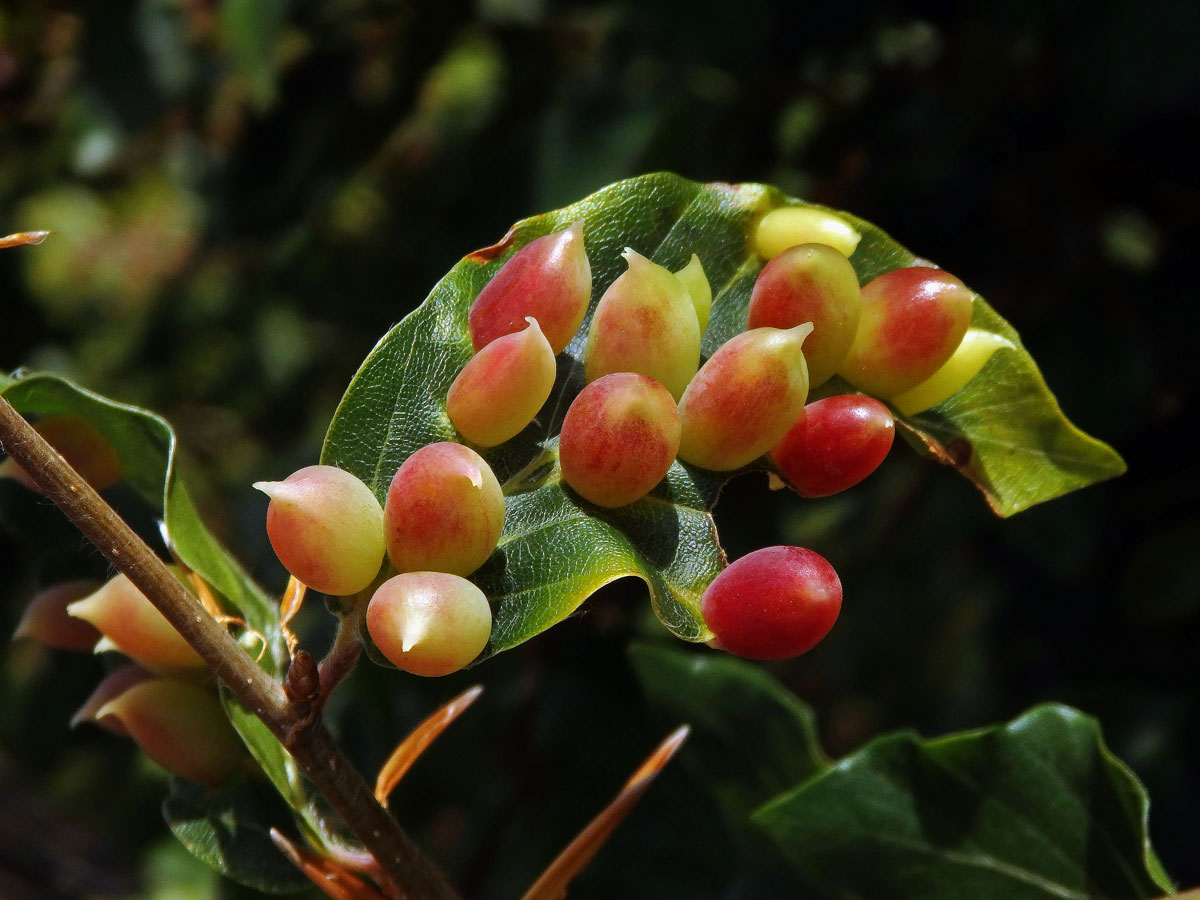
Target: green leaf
(751, 738)
(1004, 430)
(230, 830)
(280, 768)
(270, 755)
(1006, 433)
(145, 444)
(1038, 809)
(537, 577)
(557, 549)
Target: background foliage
(249, 193)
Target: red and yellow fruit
(429, 623)
(744, 399)
(47, 621)
(695, 282)
(180, 726)
(444, 511)
(774, 603)
(130, 623)
(502, 388)
(810, 283)
(967, 361)
(549, 279)
(835, 444)
(912, 322)
(645, 323)
(326, 527)
(110, 687)
(618, 439)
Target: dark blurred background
(249, 193)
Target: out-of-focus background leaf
(248, 194)
(1037, 808)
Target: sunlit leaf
(557, 549)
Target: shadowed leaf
(1038, 809)
(229, 829)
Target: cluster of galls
(903, 337)
(647, 401)
(441, 519)
(164, 699)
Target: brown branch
(309, 742)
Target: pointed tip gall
(549, 278)
(326, 527)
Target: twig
(310, 744)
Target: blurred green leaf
(252, 29)
(1033, 810)
(1038, 809)
(230, 830)
(557, 549)
(271, 756)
